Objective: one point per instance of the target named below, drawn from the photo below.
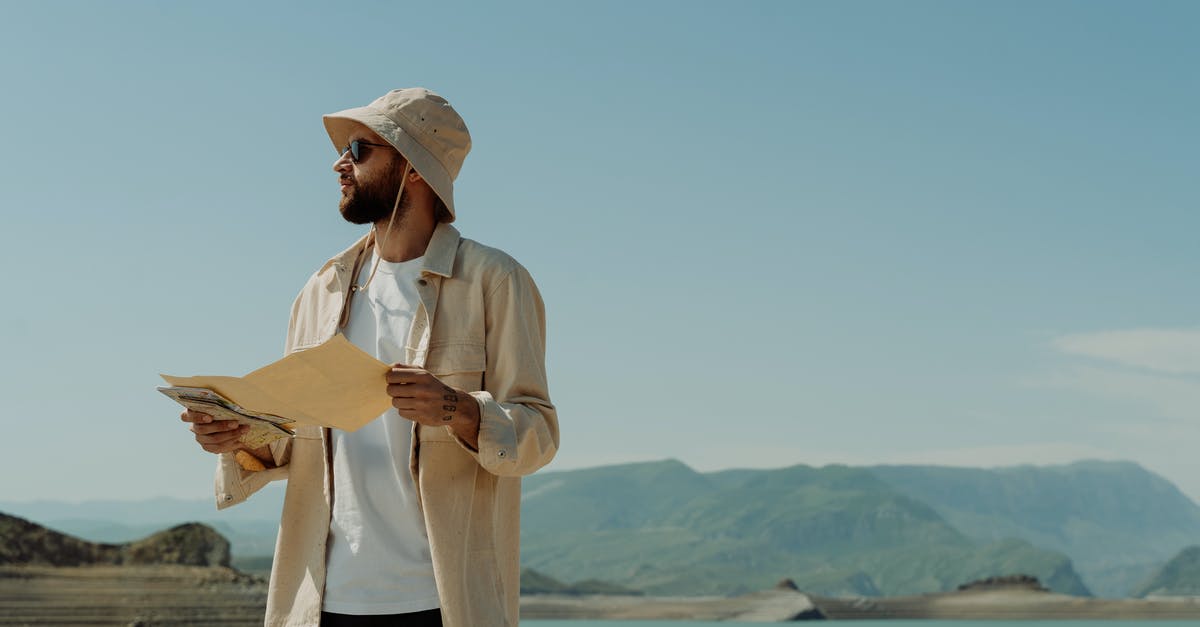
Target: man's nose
(343, 162)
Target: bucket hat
(421, 125)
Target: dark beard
(368, 204)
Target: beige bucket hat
(421, 125)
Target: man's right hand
(215, 436)
(222, 436)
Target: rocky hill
(189, 544)
(1178, 577)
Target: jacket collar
(438, 259)
(439, 253)
(442, 248)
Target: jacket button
(227, 497)
(501, 453)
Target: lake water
(888, 622)
(866, 623)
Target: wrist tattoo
(451, 397)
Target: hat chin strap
(380, 240)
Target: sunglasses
(355, 149)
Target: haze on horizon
(767, 233)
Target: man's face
(369, 186)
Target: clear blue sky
(767, 233)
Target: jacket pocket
(458, 364)
(451, 358)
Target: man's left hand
(421, 397)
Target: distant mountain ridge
(161, 510)
(1106, 526)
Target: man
(413, 519)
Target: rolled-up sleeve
(234, 484)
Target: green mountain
(663, 528)
(1178, 577)
(1116, 520)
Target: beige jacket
(480, 328)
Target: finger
(219, 426)
(227, 447)
(195, 416)
(403, 375)
(397, 390)
(223, 437)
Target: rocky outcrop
(787, 584)
(191, 544)
(1024, 582)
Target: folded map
(264, 428)
(334, 385)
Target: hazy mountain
(265, 505)
(666, 529)
(250, 527)
(1116, 520)
(1178, 577)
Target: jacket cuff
(497, 438)
(234, 484)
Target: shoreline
(125, 595)
(1016, 603)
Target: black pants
(428, 618)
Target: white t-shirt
(378, 557)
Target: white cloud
(1173, 397)
(1171, 351)
(1151, 367)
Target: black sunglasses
(355, 151)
